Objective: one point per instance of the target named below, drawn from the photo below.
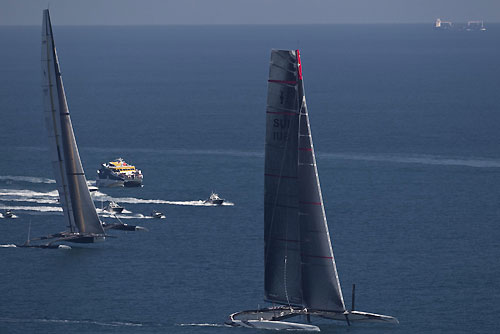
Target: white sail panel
(78, 207)
(281, 203)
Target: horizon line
(236, 24)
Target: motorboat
(8, 214)
(157, 214)
(214, 199)
(113, 207)
(93, 189)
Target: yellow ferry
(118, 173)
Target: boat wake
(202, 325)
(417, 159)
(29, 196)
(21, 193)
(105, 212)
(99, 196)
(51, 197)
(198, 203)
(27, 199)
(32, 208)
(122, 216)
(31, 179)
(14, 246)
(69, 321)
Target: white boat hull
(274, 325)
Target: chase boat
(214, 199)
(114, 207)
(8, 214)
(118, 173)
(157, 214)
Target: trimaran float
(300, 271)
(78, 207)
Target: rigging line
(276, 200)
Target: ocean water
(405, 122)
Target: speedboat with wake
(157, 214)
(113, 207)
(79, 212)
(300, 274)
(118, 173)
(9, 214)
(214, 199)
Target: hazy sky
(133, 12)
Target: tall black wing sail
(281, 197)
(78, 207)
(299, 263)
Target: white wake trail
(417, 159)
(70, 321)
(28, 193)
(31, 179)
(32, 208)
(202, 325)
(99, 196)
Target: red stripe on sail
(305, 149)
(317, 256)
(283, 82)
(280, 113)
(281, 176)
(311, 203)
(287, 240)
(299, 65)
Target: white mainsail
(78, 207)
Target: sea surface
(406, 127)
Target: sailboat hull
(269, 317)
(87, 239)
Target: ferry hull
(109, 183)
(132, 183)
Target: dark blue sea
(406, 126)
